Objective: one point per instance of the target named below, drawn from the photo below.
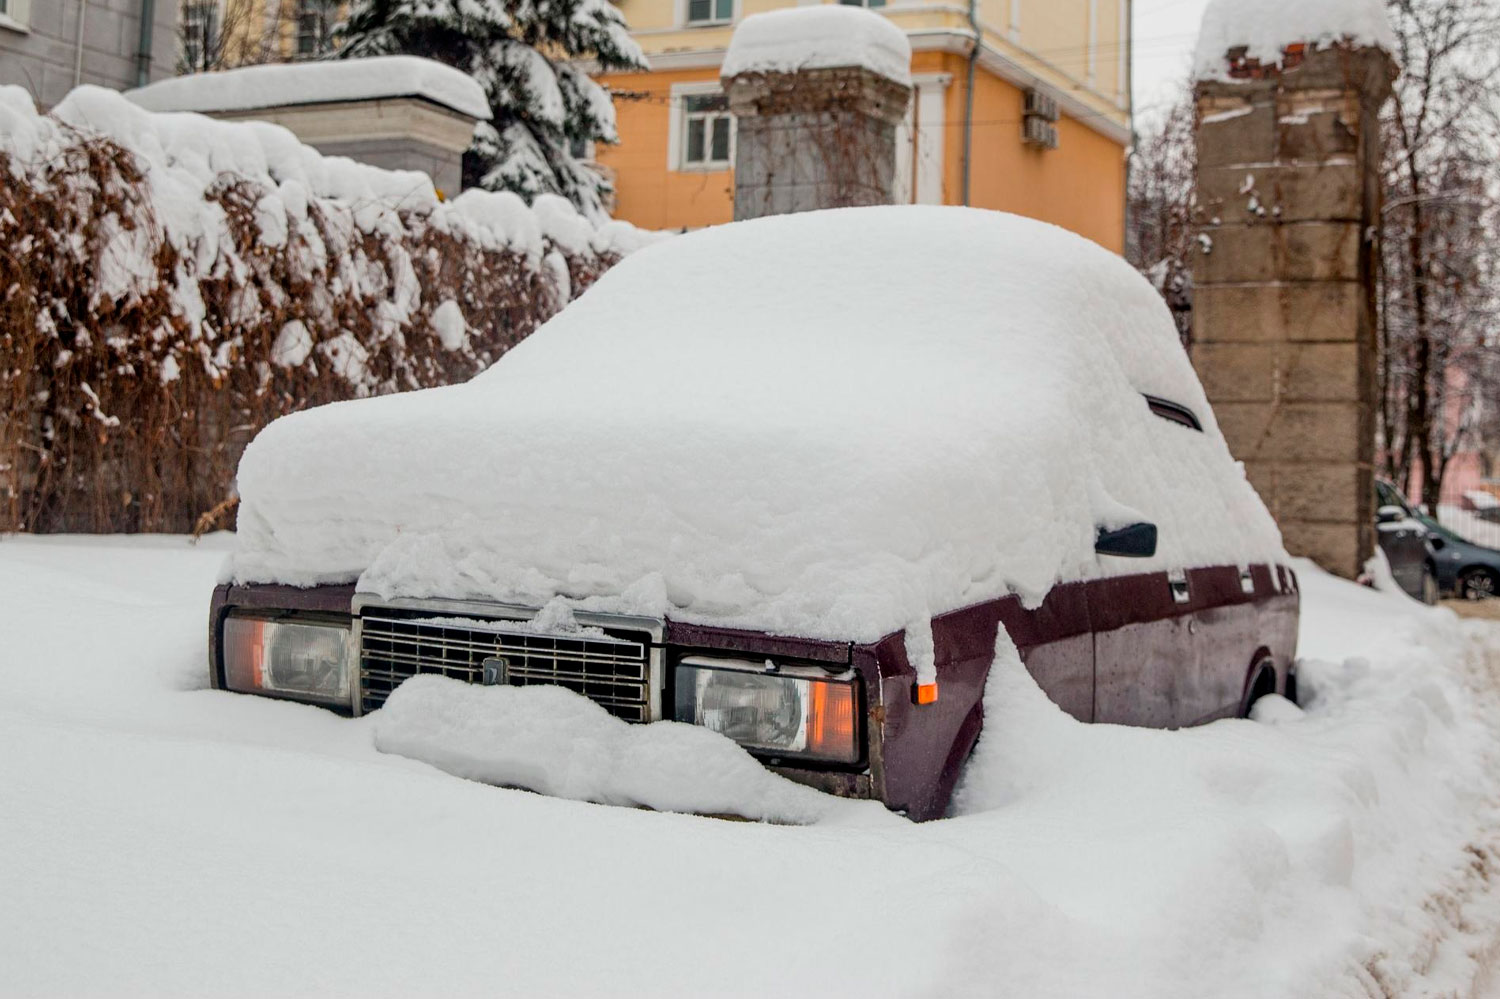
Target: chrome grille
(610, 666)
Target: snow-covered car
(796, 480)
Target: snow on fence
(169, 284)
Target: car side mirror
(1438, 544)
(1389, 514)
(1134, 541)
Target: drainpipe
(143, 51)
(969, 96)
(1130, 110)
(83, 9)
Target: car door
(1146, 657)
(1402, 539)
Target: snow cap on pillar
(820, 37)
(1260, 32)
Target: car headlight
(304, 660)
(792, 711)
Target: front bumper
(638, 687)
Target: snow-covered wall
(252, 87)
(173, 282)
(1267, 27)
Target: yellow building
(1064, 61)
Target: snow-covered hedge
(169, 284)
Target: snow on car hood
(830, 425)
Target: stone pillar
(1284, 266)
(815, 138)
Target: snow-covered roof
(831, 424)
(254, 87)
(818, 37)
(1267, 27)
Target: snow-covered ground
(158, 838)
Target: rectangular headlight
(793, 711)
(305, 660)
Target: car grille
(611, 667)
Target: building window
(315, 20)
(15, 13)
(199, 28)
(708, 131)
(710, 11)
(863, 3)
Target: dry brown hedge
(98, 436)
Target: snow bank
(1267, 27)
(832, 424)
(1341, 852)
(559, 743)
(255, 87)
(818, 37)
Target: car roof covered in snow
(832, 424)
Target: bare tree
(1158, 207)
(1437, 295)
(222, 34)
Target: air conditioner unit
(1041, 105)
(1039, 132)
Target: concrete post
(1288, 207)
(815, 138)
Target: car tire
(1430, 592)
(1263, 682)
(1478, 584)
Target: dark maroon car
(804, 527)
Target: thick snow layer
(818, 37)
(1267, 27)
(831, 425)
(254, 87)
(1343, 851)
(185, 153)
(554, 741)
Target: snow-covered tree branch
(546, 108)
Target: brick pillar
(816, 138)
(1284, 266)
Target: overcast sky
(1165, 33)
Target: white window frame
(16, 16)
(1122, 58)
(327, 14)
(712, 22)
(919, 142)
(1093, 48)
(677, 131)
(214, 25)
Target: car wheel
(1429, 586)
(1263, 684)
(1477, 584)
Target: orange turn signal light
(926, 693)
(830, 719)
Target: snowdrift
(173, 282)
(1343, 852)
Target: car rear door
(1146, 657)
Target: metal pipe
(969, 95)
(1130, 112)
(83, 9)
(143, 51)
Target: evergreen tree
(520, 51)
